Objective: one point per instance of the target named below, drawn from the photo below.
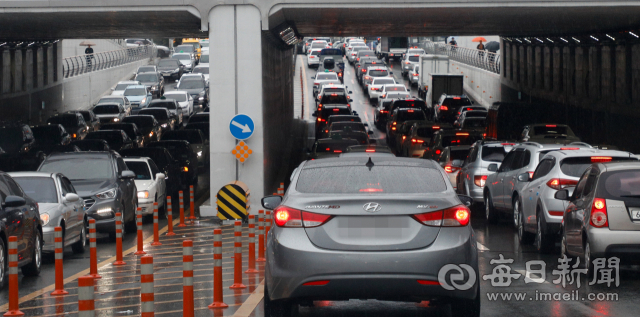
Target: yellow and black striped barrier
(233, 201)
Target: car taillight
(594, 159)
(293, 218)
(383, 111)
(364, 70)
(599, 213)
(407, 63)
(530, 175)
(569, 148)
(444, 108)
(479, 180)
(451, 169)
(462, 133)
(415, 74)
(438, 152)
(456, 98)
(457, 216)
(311, 56)
(414, 141)
(559, 183)
(316, 84)
(372, 88)
(550, 126)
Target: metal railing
(82, 64)
(470, 56)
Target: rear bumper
(293, 261)
(624, 244)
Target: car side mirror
(350, 100)
(160, 176)
(14, 201)
(562, 194)
(312, 77)
(492, 167)
(271, 202)
(466, 200)
(127, 175)
(391, 73)
(370, 132)
(71, 197)
(350, 91)
(524, 177)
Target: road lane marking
(252, 302)
(481, 247)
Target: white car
(376, 86)
(202, 69)
(317, 45)
(313, 59)
(204, 58)
(331, 89)
(353, 44)
(395, 88)
(150, 182)
(323, 77)
(186, 59)
(184, 99)
(118, 90)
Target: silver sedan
(375, 227)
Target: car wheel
(544, 242)
(516, 211)
(587, 260)
(524, 236)
(490, 212)
(3, 266)
(33, 268)
(80, 246)
(563, 248)
(467, 307)
(278, 308)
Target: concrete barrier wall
(81, 92)
(481, 85)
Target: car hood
(135, 98)
(49, 208)
(150, 83)
(192, 91)
(143, 184)
(167, 68)
(90, 187)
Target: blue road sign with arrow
(241, 127)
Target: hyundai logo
(372, 207)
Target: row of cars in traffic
(132, 149)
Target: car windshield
(163, 104)
(66, 121)
(182, 57)
(135, 92)
(141, 169)
(191, 84)
(383, 81)
(456, 102)
(143, 69)
(410, 115)
(176, 97)
(126, 127)
(462, 139)
(493, 153)
(202, 118)
(111, 100)
(11, 138)
(106, 109)
(79, 168)
(177, 150)
(379, 73)
(326, 76)
(201, 70)
(122, 86)
(397, 96)
(159, 114)
(204, 58)
(393, 88)
(184, 49)
(414, 58)
(147, 77)
(475, 123)
(168, 63)
(41, 189)
(334, 98)
(193, 137)
(550, 129)
(382, 178)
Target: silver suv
(538, 214)
(502, 189)
(474, 172)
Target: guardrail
(82, 64)
(478, 58)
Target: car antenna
(369, 164)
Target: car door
(575, 213)
(20, 220)
(161, 184)
(70, 210)
(464, 176)
(496, 187)
(510, 179)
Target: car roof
(136, 159)
(618, 166)
(146, 73)
(363, 160)
(177, 92)
(459, 147)
(32, 174)
(136, 86)
(588, 152)
(93, 154)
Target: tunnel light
(636, 36)
(564, 40)
(575, 39)
(595, 38)
(611, 37)
(539, 40)
(527, 40)
(548, 39)
(518, 41)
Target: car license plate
(635, 213)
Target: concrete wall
(81, 92)
(481, 85)
(71, 47)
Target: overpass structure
(550, 54)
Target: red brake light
(417, 141)
(319, 119)
(364, 70)
(551, 126)
(444, 108)
(456, 98)
(480, 180)
(601, 159)
(287, 217)
(316, 283)
(559, 183)
(383, 111)
(438, 152)
(462, 133)
(336, 110)
(457, 216)
(599, 213)
(469, 109)
(372, 88)
(530, 175)
(337, 151)
(435, 127)
(409, 100)
(569, 148)
(371, 190)
(410, 110)
(334, 95)
(370, 150)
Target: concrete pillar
(558, 70)
(6, 72)
(57, 49)
(594, 72)
(548, 74)
(236, 88)
(515, 63)
(607, 77)
(622, 75)
(506, 59)
(581, 73)
(538, 64)
(50, 64)
(39, 66)
(17, 71)
(28, 69)
(531, 67)
(523, 66)
(569, 68)
(635, 73)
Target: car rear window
(493, 153)
(476, 114)
(410, 115)
(348, 126)
(41, 189)
(378, 73)
(575, 166)
(112, 137)
(621, 184)
(456, 102)
(426, 132)
(331, 111)
(414, 58)
(388, 179)
(449, 140)
(383, 81)
(474, 123)
(395, 88)
(333, 90)
(327, 76)
(459, 154)
(345, 119)
(410, 103)
(141, 169)
(331, 51)
(334, 98)
(315, 53)
(550, 129)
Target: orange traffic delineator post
(237, 263)
(156, 234)
(119, 260)
(86, 304)
(191, 204)
(188, 309)
(139, 234)
(59, 268)
(169, 217)
(252, 245)
(146, 287)
(217, 270)
(261, 237)
(267, 226)
(181, 201)
(14, 299)
(93, 254)
(281, 189)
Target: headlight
(177, 70)
(154, 87)
(116, 119)
(143, 100)
(143, 194)
(45, 218)
(103, 211)
(150, 134)
(199, 153)
(164, 125)
(111, 193)
(201, 98)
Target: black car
(17, 142)
(118, 140)
(446, 109)
(72, 122)
(90, 118)
(339, 118)
(186, 156)
(170, 68)
(92, 145)
(52, 134)
(131, 129)
(324, 148)
(348, 130)
(197, 87)
(396, 126)
(20, 218)
(199, 117)
(154, 80)
(444, 138)
(167, 121)
(202, 126)
(197, 141)
(148, 125)
(103, 181)
(165, 162)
